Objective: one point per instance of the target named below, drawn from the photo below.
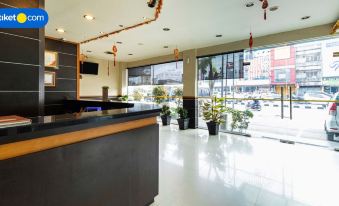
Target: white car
(332, 120)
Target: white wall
(91, 85)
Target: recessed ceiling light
(218, 35)
(121, 25)
(88, 51)
(130, 54)
(249, 4)
(166, 29)
(140, 44)
(89, 17)
(165, 47)
(101, 32)
(60, 30)
(119, 42)
(305, 17)
(274, 8)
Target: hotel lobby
(169, 103)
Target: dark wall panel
(21, 3)
(21, 50)
(21, 78)
(63, 85)
(60, 46)
(66, 75)
(67, 60)
(67, 72)
(19, 103)
(11, 78)
(57, 97)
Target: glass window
(168, 74)
(140, 76)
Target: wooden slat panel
(16, 149)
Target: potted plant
(160, 94)
(183, 120)
(124, 98)
(213, 112)
(240, 119)
(166, 115)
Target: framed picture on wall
(49, 79)
(51, 59)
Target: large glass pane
(293, 84)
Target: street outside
(307, 122)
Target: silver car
(332, 120)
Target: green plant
(160, 94)
(165, 110)
(213, 111)
(240, 119)
(178, 93)
(123, 98)
(137, 95)
(182, 112)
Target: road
(306, 123)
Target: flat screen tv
(89, 68)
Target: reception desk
(101, 158)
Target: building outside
(309, 67)
(330, 55)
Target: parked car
(332, 120)
(317, 97)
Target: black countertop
(55, 124)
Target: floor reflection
(198, 169)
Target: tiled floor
(228, 170)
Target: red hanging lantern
(176, 56)
(115, 51)
(264, 6)
(251, 41)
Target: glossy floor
(197, 169)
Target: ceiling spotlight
(89, 17)
(130, 54)
(166, 29)
(119, 42)
(101, 32)
(305, 17)
(165, 47)
(274, 8)
(88, 51)
(249, 4)
(121, 25)
(218, 35)
(60, 30)
(152, 3)
(140, 44)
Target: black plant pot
(166, 120)
(213, 128)
(183, 123)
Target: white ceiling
(193, 23)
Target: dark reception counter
(107, 157)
